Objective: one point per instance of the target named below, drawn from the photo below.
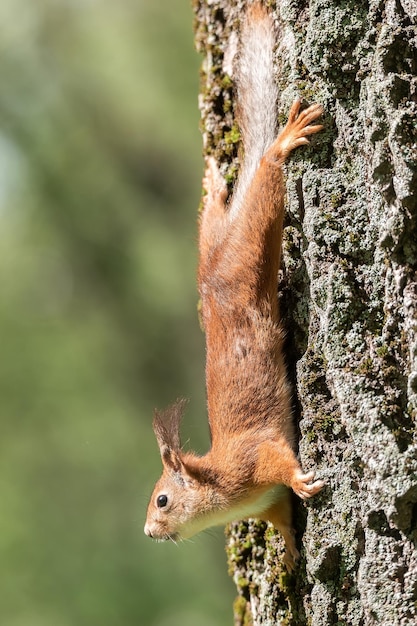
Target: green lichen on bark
(348, 292)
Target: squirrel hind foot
(213, 182)
(296, 131)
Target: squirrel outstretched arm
(252, 463)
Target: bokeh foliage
(99, 182)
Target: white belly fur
(247, 508)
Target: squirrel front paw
(303, 486)
(291, 557)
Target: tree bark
(348, 289)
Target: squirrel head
(183, 495)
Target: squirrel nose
(148, 531)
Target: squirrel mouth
(161, 536)
(174, 537)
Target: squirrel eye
(162, 501)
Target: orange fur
(251, 464)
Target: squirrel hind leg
(280, 515)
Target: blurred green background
(100, 175)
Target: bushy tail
(257, 94)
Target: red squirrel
(252, 465)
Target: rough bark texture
(349, 293)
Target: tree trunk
(349, 293)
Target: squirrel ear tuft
(166, 426)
